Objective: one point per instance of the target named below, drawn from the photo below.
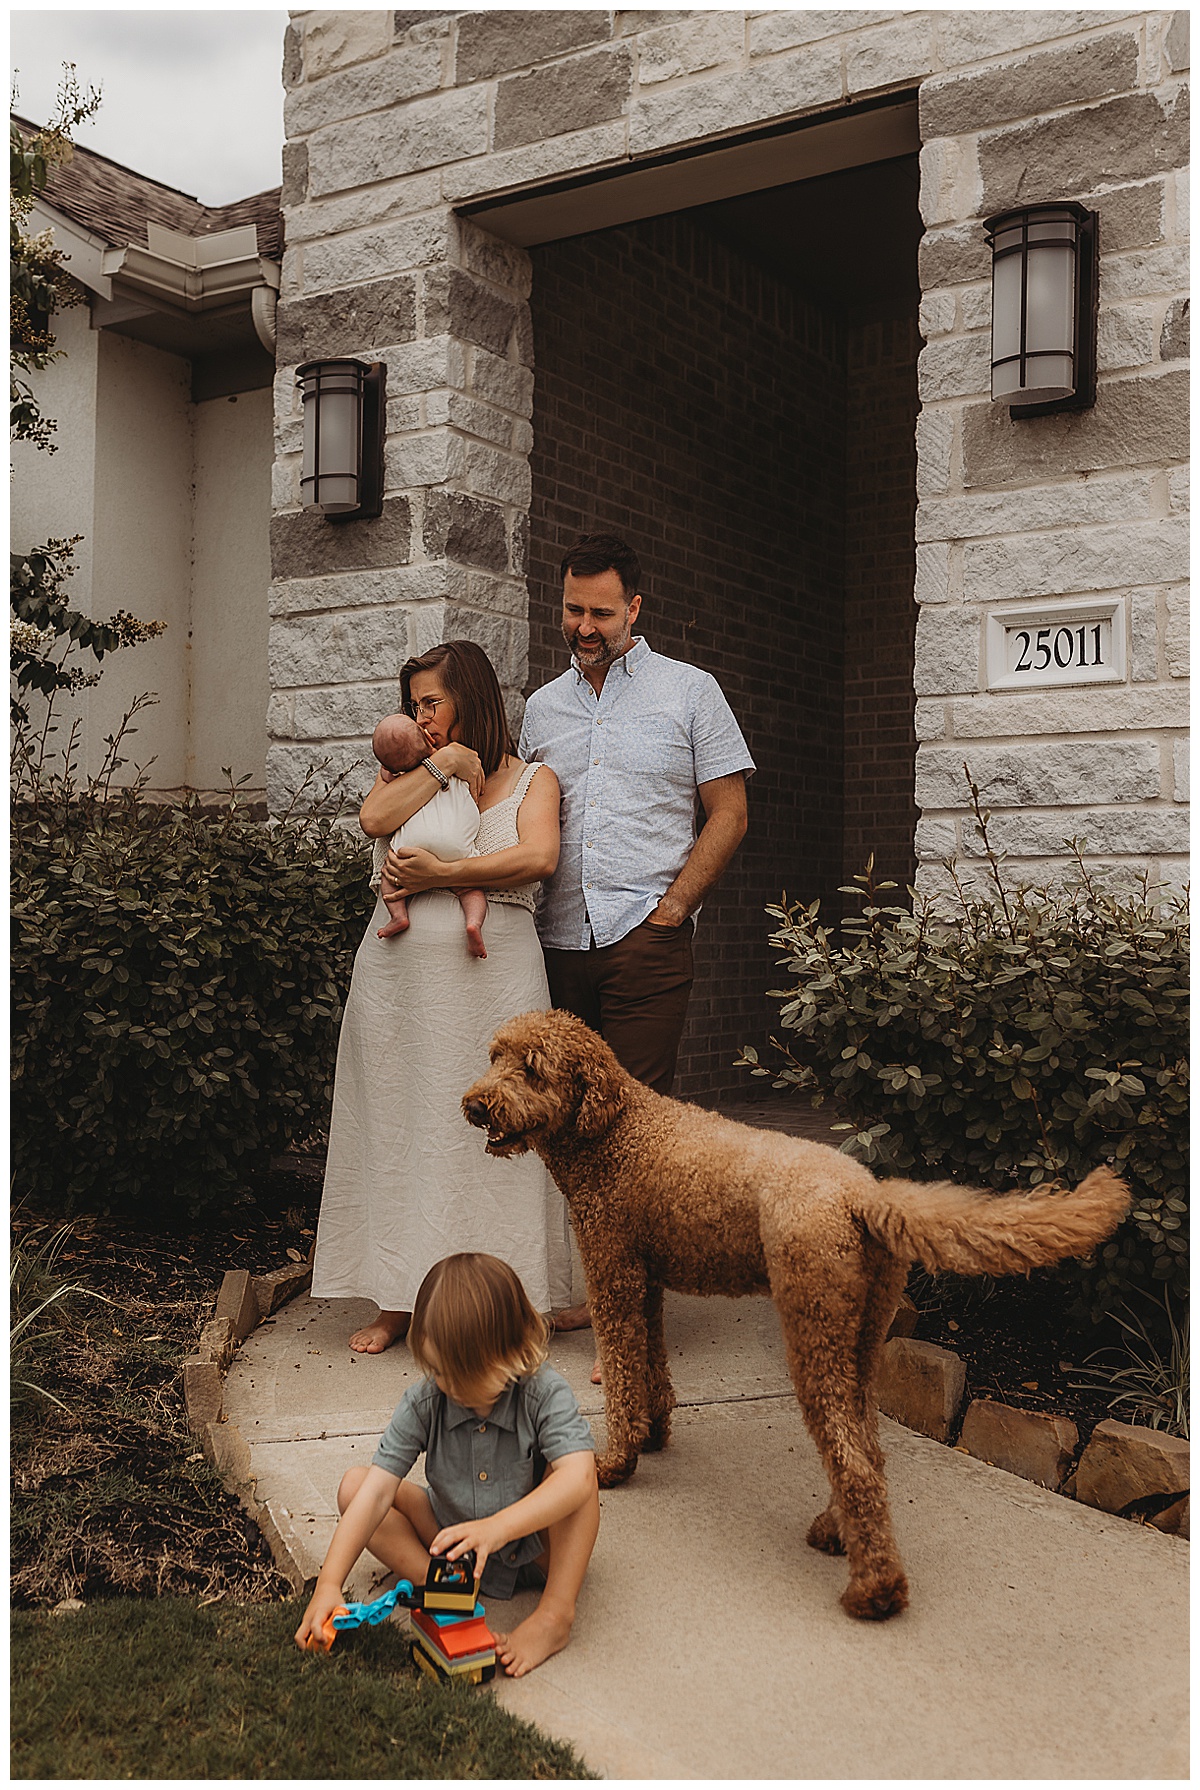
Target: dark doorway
(734, 388)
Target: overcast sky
(194, 99)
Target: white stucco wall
(52, 494)
(173, 501)
(142, 544)
(231, 572)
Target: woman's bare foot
(576, 1317)
(475, 944)
(543, 1633)
(596, 1376)
(389, 1327)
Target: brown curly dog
(668, 1195)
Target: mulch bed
(1016, 1339)
(111, 1495)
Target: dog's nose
(476, 1111)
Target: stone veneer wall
(1055, 505)
(395, 118)
(690, 400)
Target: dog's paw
(658, 1434)
(824, 1534)
(615, 1469)
(877, 1597)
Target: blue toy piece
(355, 1615)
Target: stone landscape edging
(1125, 1468)
(244, 1302)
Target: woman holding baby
(407, 1180)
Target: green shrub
(1028, 1039)
(178, 978)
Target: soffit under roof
(166, 270)
(848, 238)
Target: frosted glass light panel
(332, 397)
(1040, 312)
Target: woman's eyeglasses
(426, 709)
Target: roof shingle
(116, 204)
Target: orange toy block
(454, 1640)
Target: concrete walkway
(1044, 1640)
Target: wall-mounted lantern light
(345, 413)
(1044, 304)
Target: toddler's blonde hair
(475, 1316)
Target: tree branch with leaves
(46, 632)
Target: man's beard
(604, 651)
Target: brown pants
(634, 993)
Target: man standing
(633, 738)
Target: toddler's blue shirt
(476, 1465)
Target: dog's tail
(965, 1230)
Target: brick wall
(879, 813)
(688, 400)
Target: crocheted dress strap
(527, 777)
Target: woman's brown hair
(470, 681)
(475, 1316)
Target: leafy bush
(1026, 1039)
(178, 978)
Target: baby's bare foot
(597, 1377)
(389, 1327)
(543, 1633)
(475, 944)
(393, 928)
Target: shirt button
(483, 1429)
(589, 844)
(483, 1476)
(595, 761)
(589, 885)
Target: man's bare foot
(475, 944)
(576, 1317)
(596, 1377)
(389, 1327)
(541, 1634)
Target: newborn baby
(445, 826)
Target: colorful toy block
(454, 1646)
(442, 1607)
(450, 1587)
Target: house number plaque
(1075, 641)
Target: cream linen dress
(408, 1181)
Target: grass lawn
(170, 1688)
(182, 1663)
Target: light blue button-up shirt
(629, 763)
